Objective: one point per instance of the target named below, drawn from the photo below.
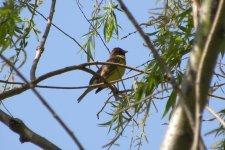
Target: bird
(108, 72)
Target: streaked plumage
(108, 72)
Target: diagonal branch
(40, 48)
(211, 111)
(26, 134)
(44, 102)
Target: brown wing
(108, 70)
(105, 70)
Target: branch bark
(40, 48)
(26, 134)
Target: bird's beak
(125, 51)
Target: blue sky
(60, 52)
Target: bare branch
(71, 88)
(106, 102)
(219, 97)
(26, 86)
(210, 110)
(116, 137)
(26, 134)
(40, 48)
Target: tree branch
(206, 67)
(26, 134)
(71, 87)
(26, 86)
(210, 110)
(40, 48)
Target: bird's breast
(117, 72)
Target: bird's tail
(84, 94)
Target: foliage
(101, 18)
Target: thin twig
(116, 137)
(215, 96)
(106, 102)
(210, 110)
(142, 100)
(143, 124)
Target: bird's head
(118, 51)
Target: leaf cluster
(102, 17)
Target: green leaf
(182, 28)
(140, 90)
(153, 33)
(110, 27)
(95, 18)
(105, 30)
(170, 103)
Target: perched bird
(108, 72)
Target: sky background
(60, 51)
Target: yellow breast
(118, 71)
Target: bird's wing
(94, 79)
(108, 70)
